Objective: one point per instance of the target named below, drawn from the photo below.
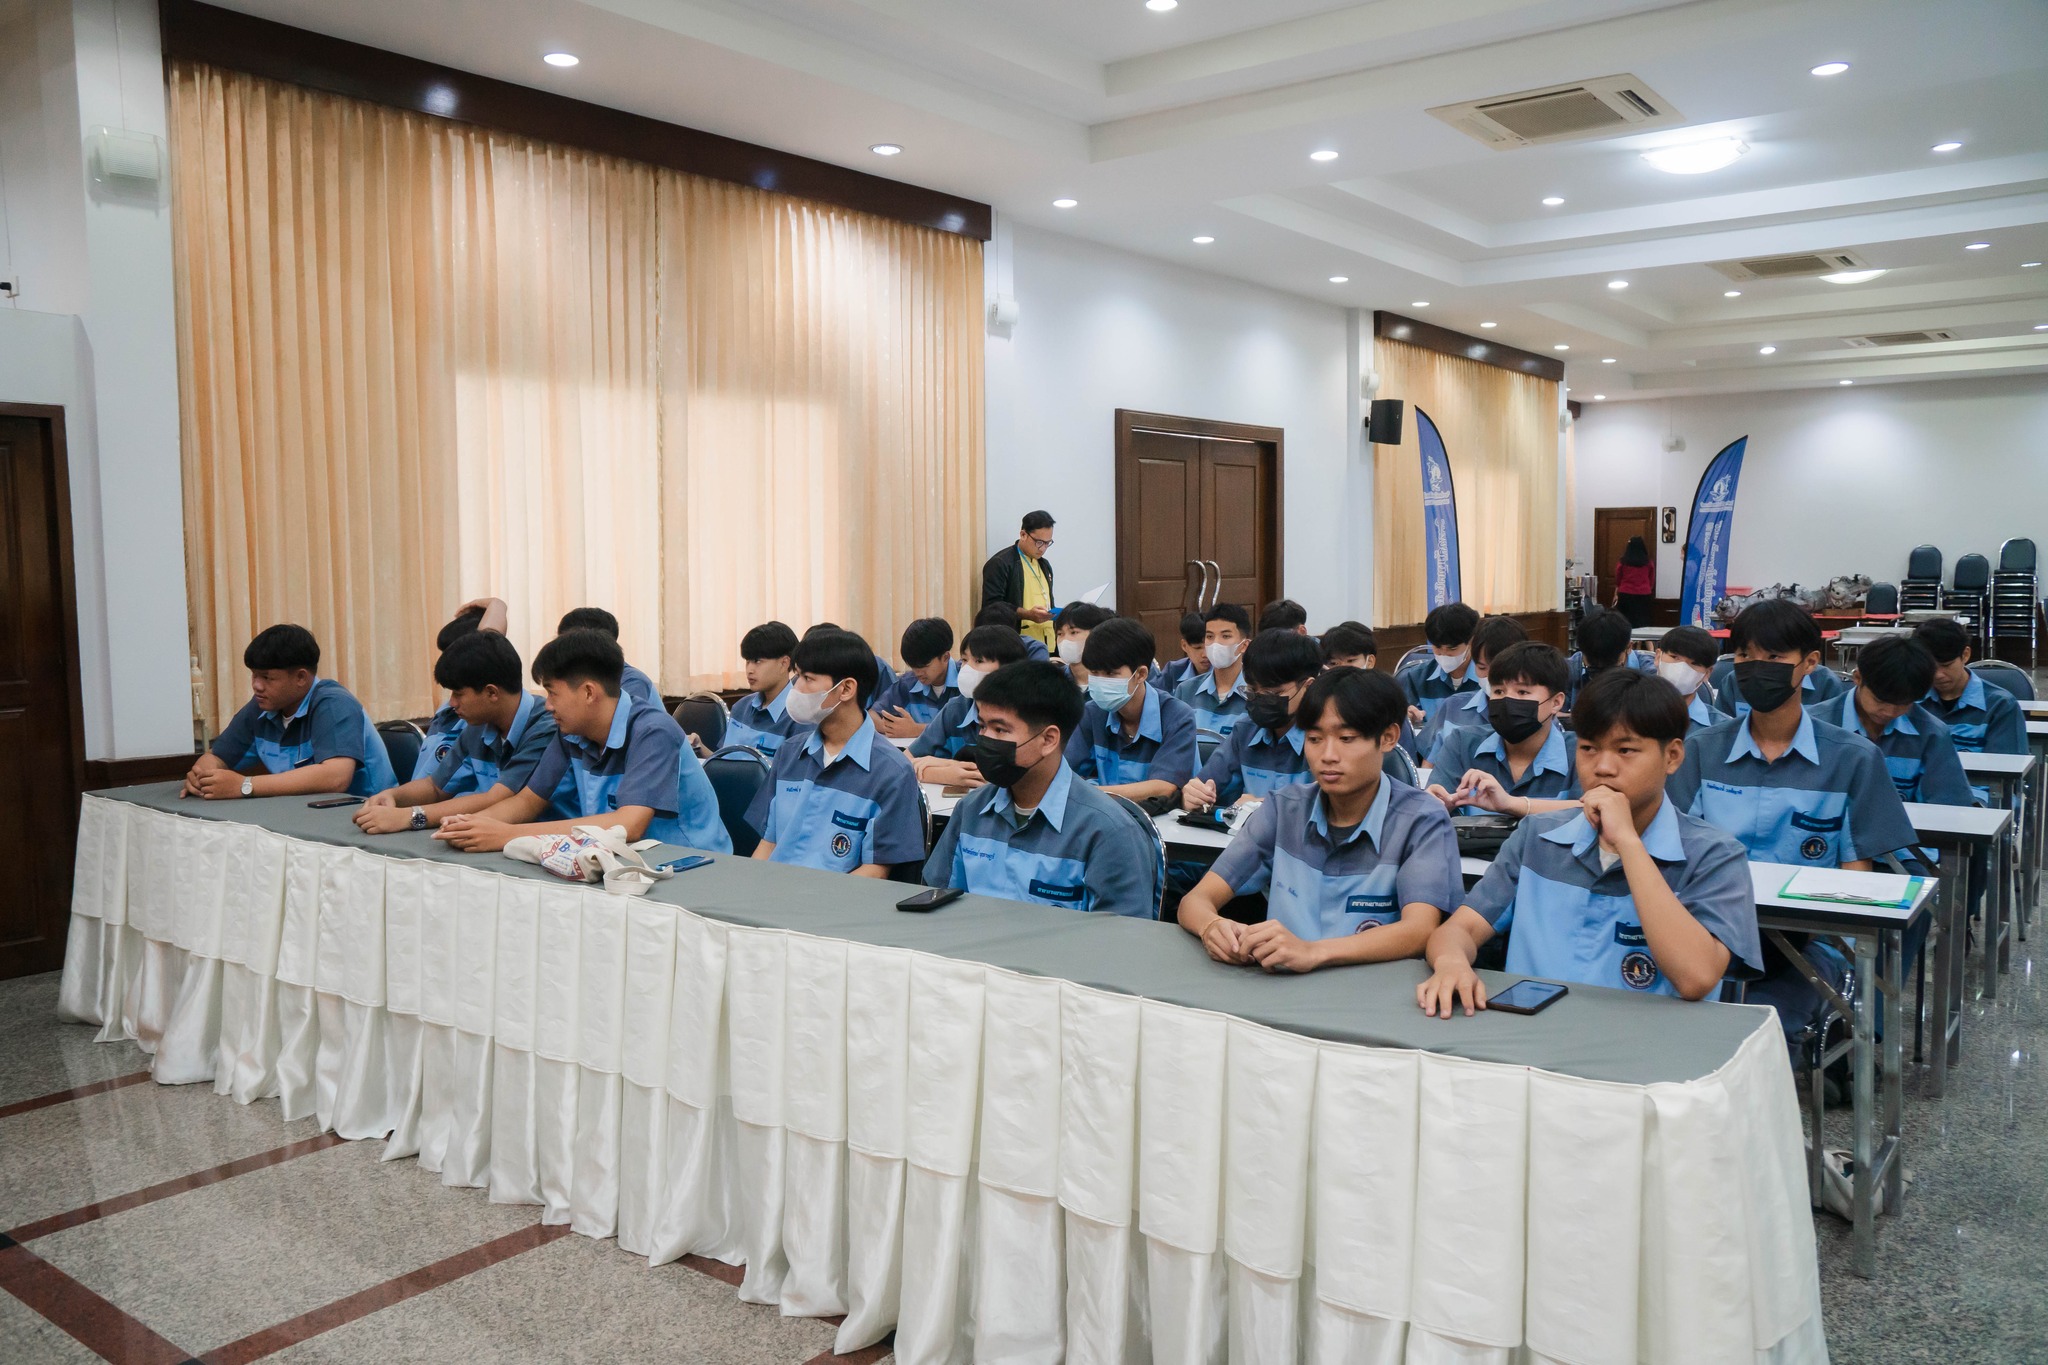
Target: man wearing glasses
(1021, 575)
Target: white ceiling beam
(1900, 368)
(1590, 320)
(1934, 317)
(1280, 211)
(1841, 300)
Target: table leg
(1862, 1203)
(1945, 950)
(1959, 923)
(1994, 919)
(1894, 1068)
(2007, 864)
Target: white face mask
(1682, 676)
(968, 678)
(1070, 651)
(1451, 663)
(808, 708)
(1221, 656)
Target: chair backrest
(1399, 764)
(2011, 677)
(1414, 654)
(2016, 556)
(736, 773)
(1882, 600)
(1137, 812)
(402, 740)
(704, 715)
(1973, 573)
(1924, 564)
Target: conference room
(1117, 680)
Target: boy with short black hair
(1981, 717)
(1004, 615)
(1492, 635)
(884, 673)
(928, 680)
(504, 732)
(1285, 614)
(617, 760)
(1883, 705)
(1685, 656)
(1604, 637)
(1193, 659)
(637, 684)
(444, 725)
(1431, 682)
(1350, 644)
(1781, 623)
(1520, 762)
(842, 799)
(1674, 889)
(299, 734)
(939, 753)
(760, 720)
(1264, 753)
(1218, 696)
(1070, 629)
(1032, 831)
(1133, 740)
(1356, 866)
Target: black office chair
(2016, 556)
(1921, 590)
(1413, 654)
(1137, 813)
(736, 773)
(1966, 596)
(1881, 603)
(2009, 676)
(402, 741)
(704, 715)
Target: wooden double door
(1198, 518)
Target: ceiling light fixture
(1697, 158)
(1203, 241)
(1340, 279)
(1830, 68)
(1599, 398)
(1852, 276)
(1946, 147)
(1322, 154)
(2041, 326)
(1617, 284)
(1978, 246)
(1420, 303)
(1560, 347)
(1489, 324)
(1731, 293)
(1766, 350)
(1553, 201)
(561, 59)
(1161, 6)
(1845, 382)
(1606, 360)
(886, 149)
(1065, 203)
(2030, 265)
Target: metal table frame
(1956, 830)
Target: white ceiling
(1200, 121)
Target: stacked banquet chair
(1881, 606)
(1969, 595)
(2013, 597)
(1921, 590)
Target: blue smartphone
(1527, 997)
(685, 863)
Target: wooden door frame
(1652, 515)
(1130, 421)
(67, 596)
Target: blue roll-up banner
(1439, 514)
(1706, 538)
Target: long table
(1003, 1124)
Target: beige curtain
(1500, 431)
(424, 361)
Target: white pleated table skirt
(997, 1167)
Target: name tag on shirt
(1818, 824)
(852, 822)
(1047, 891)
(1369, 904)
(1630, 936)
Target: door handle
(1197, 565)
(1215, 583)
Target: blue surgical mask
(1111, 694)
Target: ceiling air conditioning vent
(1791, 267)
(1900, 338)
(1607, 107)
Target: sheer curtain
(425, 361)
(1500, 431)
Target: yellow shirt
(1037, 593)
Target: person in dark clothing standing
(1021, 575)
(1635, 584)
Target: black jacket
(1002, 578)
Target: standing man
(1021, 575)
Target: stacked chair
(1921, 590)
(1881, 607)
(1969, 595)
(2011, 611)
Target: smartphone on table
(1528, 997)
(930, 899)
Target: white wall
(1100, 329)
(1834, 481)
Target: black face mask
(1766, 686)
(1514, 719)
(1268, 712)
(996, 761)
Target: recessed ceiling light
(1161, 6)
(1731, 293)
(1845, 382)
(1606, 360)
(1946, 147)
(1203, 241)
(1599, 398)
(886, 149)
(1064, 203)
(1560, 347)
(1489, 324)
(2030, 265)
(1322, 154)
(1340, 279)
(1830, 68)
(1978, 246)
(1766, 350)
(2041, 326)
(1697, 158)
(1420, 303)
(1553, 201)
(1617, 284)
(560, 59)
(1852, 276)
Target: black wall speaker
(1384, 429)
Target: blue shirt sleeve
(231, 745)
(1080, 752)
(553, 766)
(1682, 788)
(1494, 897)
(470, 740)
(1877, 817)
(761, 810)
(1118, 868)
(897, 836)
(1429, 872)
(2005, 729)
(938, 868)
(933, 738)
(527, 754)
(1718, 893)
(1226, 764)
(653, 775)
(336, 726)
(890, 698)
(1177, 755)
(1450, 758)
(1247, 863)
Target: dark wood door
(40, 740)
(1612, 526)
(1197, 518)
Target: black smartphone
(1527, 997)
(334, 801)
(686, 863)
(930, 899)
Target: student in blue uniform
(884, 674)
(1350, 644)
(1604, 643)
(616, 761)
(1033, 831)
(1892, 675)
(1071, 625)
(842, 799)
(1263, 753)
(445, 725)
(939, 754)
(1520, 762)
(1815, 685)
(298, 734)
(1627, 891)
(1356, 866)
(637, 685)
(1431, 682)
(928, 681)
(761, 720)
(1134, 740)
(1982, 717)
(1284, 614)
(1492, 635)
(1685, 656)
(504, 732)
(1218, 696)
(1194, 657)
(1004, 615)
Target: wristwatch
(419, 817)
(248, 786)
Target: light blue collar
(1149, 725)
(520, 720)
(1973, 694)
(1660, 840)
(971, 716)
(1372, 826)
(858, 744)
(1476, 699)
(1550, 756)
(1852, 719)
(1053, 805)
(305, 703)
(1237, 689)
(615, 738)
(1803, 742)
(918, 684)
(1436, 670)
(1292, 736)
(1701, 713)
(779, 708)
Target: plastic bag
(598, 854)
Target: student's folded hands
(475, 833)
(898, 724)
(1224, 939)
(1272, 947)
(385, 819)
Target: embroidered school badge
(1814, 849)
(841, 845)
(1639, 971)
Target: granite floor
(310, 1249)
